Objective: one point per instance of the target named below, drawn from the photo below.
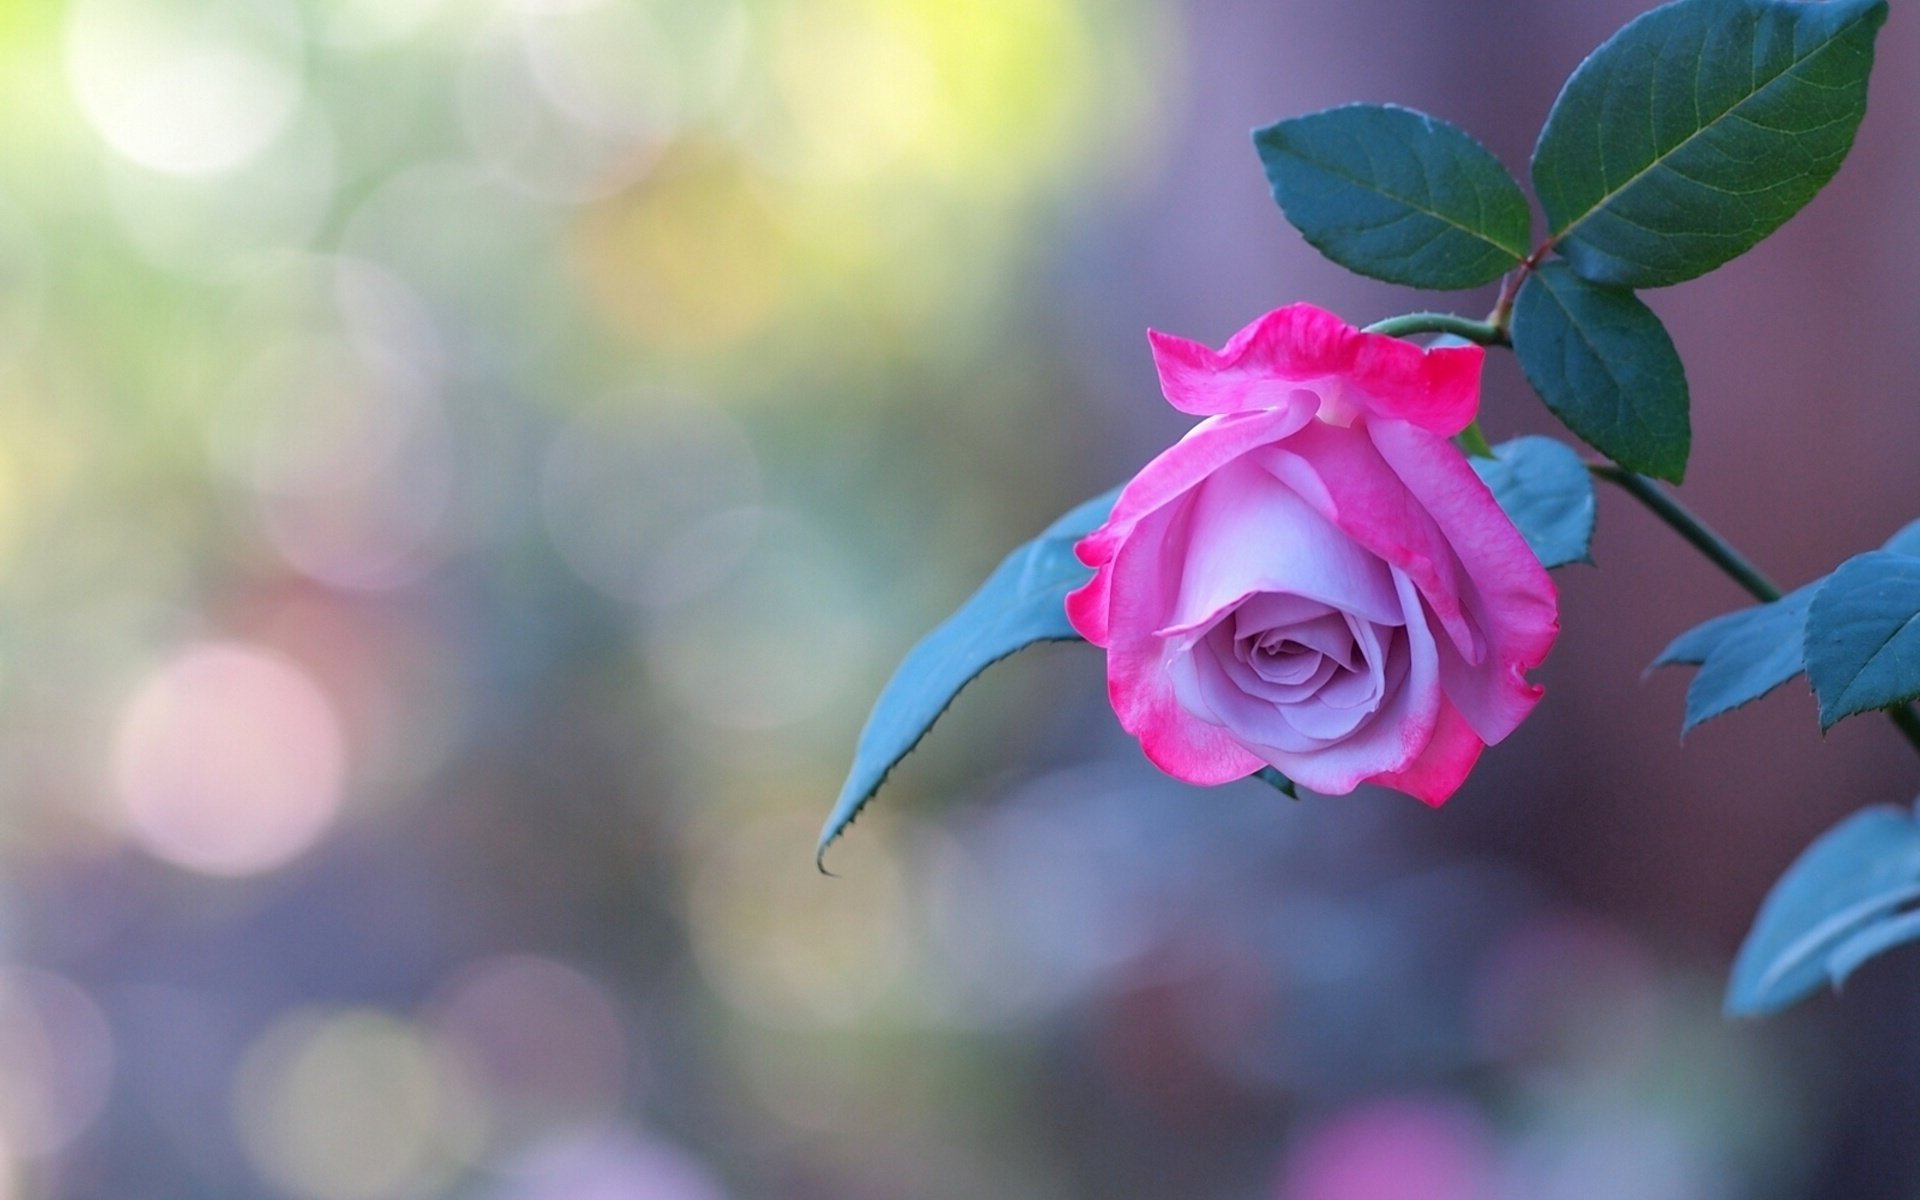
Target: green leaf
(1546, 490)
(1820, 920)
(1397, 195)
(1745, 654)
(1473, 440)
(1698, 129)
(1863, 635)
(1022, 602)
(1604, 364)
(1742, 655)
(1272, 777)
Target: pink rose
(1313, 577)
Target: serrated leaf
(1698, 129)
(1022, 602)
(1695, 645)
(1853, 878)
(1604, 365)
(1907, 541)
(1397, 195)
(1747, 653)
(1742, 655)
(1863, 635)
(1547, 492)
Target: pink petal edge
(1177, 470)
(1301, 346)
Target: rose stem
(1692, 528)
(1722, 554)
(1483, 332)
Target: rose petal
(1341, 596)
(1304, 347)
(1260, 537)
(1511, 599)
(1273, 681)
(1330, 635)
(1172, 474)
(1395, 737)
(1375, 646)
(1370, 503)
(1350, 698)
(1288, 683)
(1275, 610)
(1204, 688)
(1138, 682)
(1443, 766)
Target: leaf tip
(1272, 777)
(1673, 470)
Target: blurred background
(466, 466)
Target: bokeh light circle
(56, 1063)
(1408, 1148)
(651, 504)
(361, 24)
(738, 660)
(568, 103)
(851, 123)
(783, 949)
(229, 760)
(452, 231)
(606, 1165)
(354, 1105)
(188, 87)
(218, 227)
(545, 1043)
(350, 459)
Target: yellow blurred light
(986, 96)
(691, 259)
(872, 180)
(1019, 85)
(353, 1105)
(189, 87)
(229, 760)
(786, 947)
(858, 79)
